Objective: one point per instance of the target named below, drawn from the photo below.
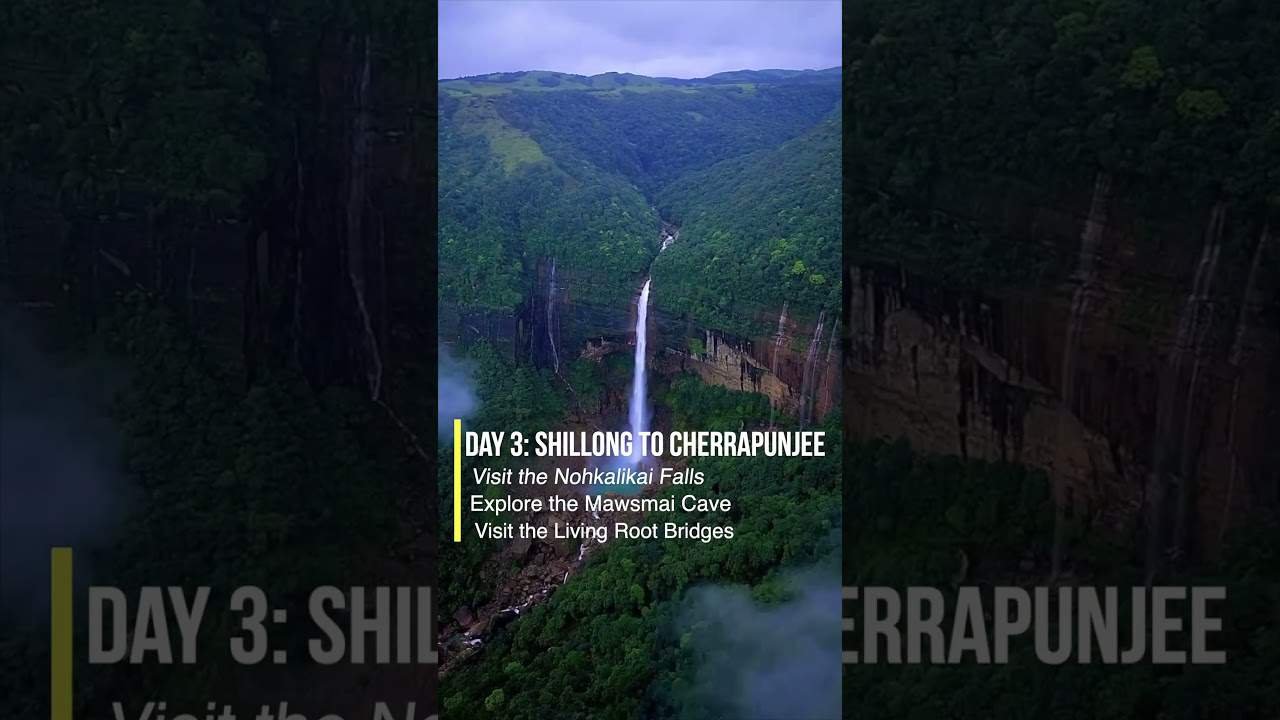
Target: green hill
(541, 164)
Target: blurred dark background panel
(219, 324)
(1062, 291)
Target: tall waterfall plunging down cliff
(637, 413)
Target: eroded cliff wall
(797, 366)
(795, 363)
(1144, 383)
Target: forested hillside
(768, 221)
(538, 166)
(505, 204)
(617, 640)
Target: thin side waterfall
(1247, 308)
(807, 383)
(830, 361)
(1086, 275)
(778, 338)
(1190, 335)
(551, 305)
(637, 413)
(1202, 323)
(356, 198)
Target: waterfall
(637, 413)
(551, 300)
(1191, 321)
(807, 383)
(1247, 303)
(1086, 275)
(1247, 307)
(670, 233)
(1197, 312)
(358, 164)
(778, 338)
(1201, 309)
(1193, 325)
(826, 365)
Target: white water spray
(637, 413)
(668, 237)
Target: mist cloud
(457, 396)
(770, 661)
(59, 466)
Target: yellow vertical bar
(60, 634)
(457, 480)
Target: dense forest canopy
(1173, 98)
(541, 165)
(768, 221)
(1053, 90)
(613, 641)
(652, 137)
(505, 205)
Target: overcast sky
(671, 38)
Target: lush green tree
(756, 232)
(609, 643)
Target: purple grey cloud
(674, 38)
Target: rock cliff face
(796, 365)
(557, 321)
(1145, 384)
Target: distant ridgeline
(554, 189)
